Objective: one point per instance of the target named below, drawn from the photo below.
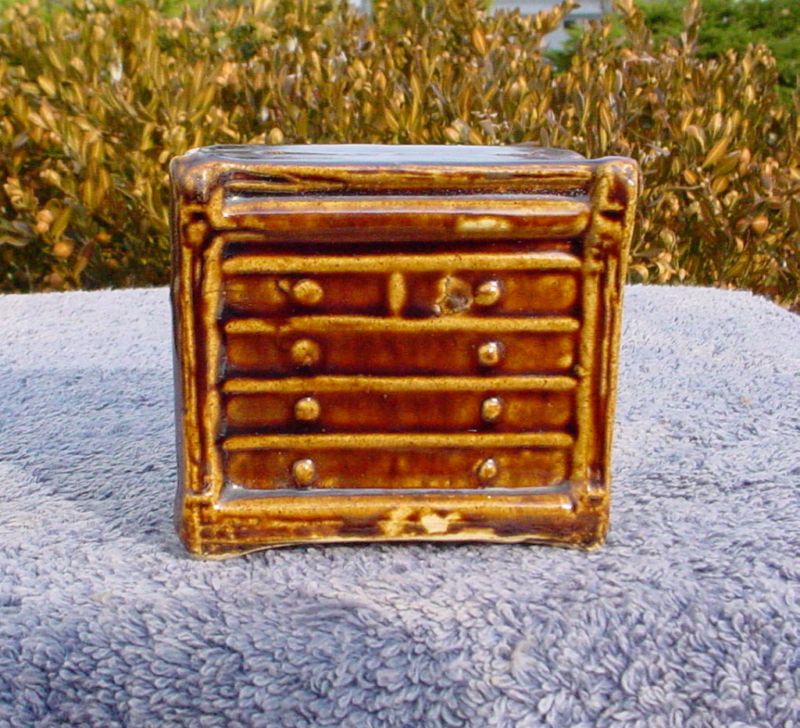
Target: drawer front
(490, 293)
(290, 351)
(397, 468)
(298, 293)
(404, 285)
(382, 410)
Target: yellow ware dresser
(395, 343)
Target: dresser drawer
(490, 293)
(396, 347)
(434, 407)
(346, 467)
(299, 293)
(415, 286)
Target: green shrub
(735, 24)
(726, 25)
(97, 98)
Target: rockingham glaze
(396, 343)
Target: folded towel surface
(688, 616)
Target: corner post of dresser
(607, 242)
(190, 232)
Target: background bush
(727, 25)
(95, 97)
(736, 24)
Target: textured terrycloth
(689, 616)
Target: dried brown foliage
(95, 99)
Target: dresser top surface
(383, 155)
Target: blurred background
(97, 95)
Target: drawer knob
(304, 472)
(487, 293)
(487, 470)
(307, 292)
(490, 353)
(307, 409)
(491, 409)
(305, 352)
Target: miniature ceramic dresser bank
(395, 343)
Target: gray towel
(689, 616)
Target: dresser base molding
(242, 520)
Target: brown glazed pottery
(395, 343)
